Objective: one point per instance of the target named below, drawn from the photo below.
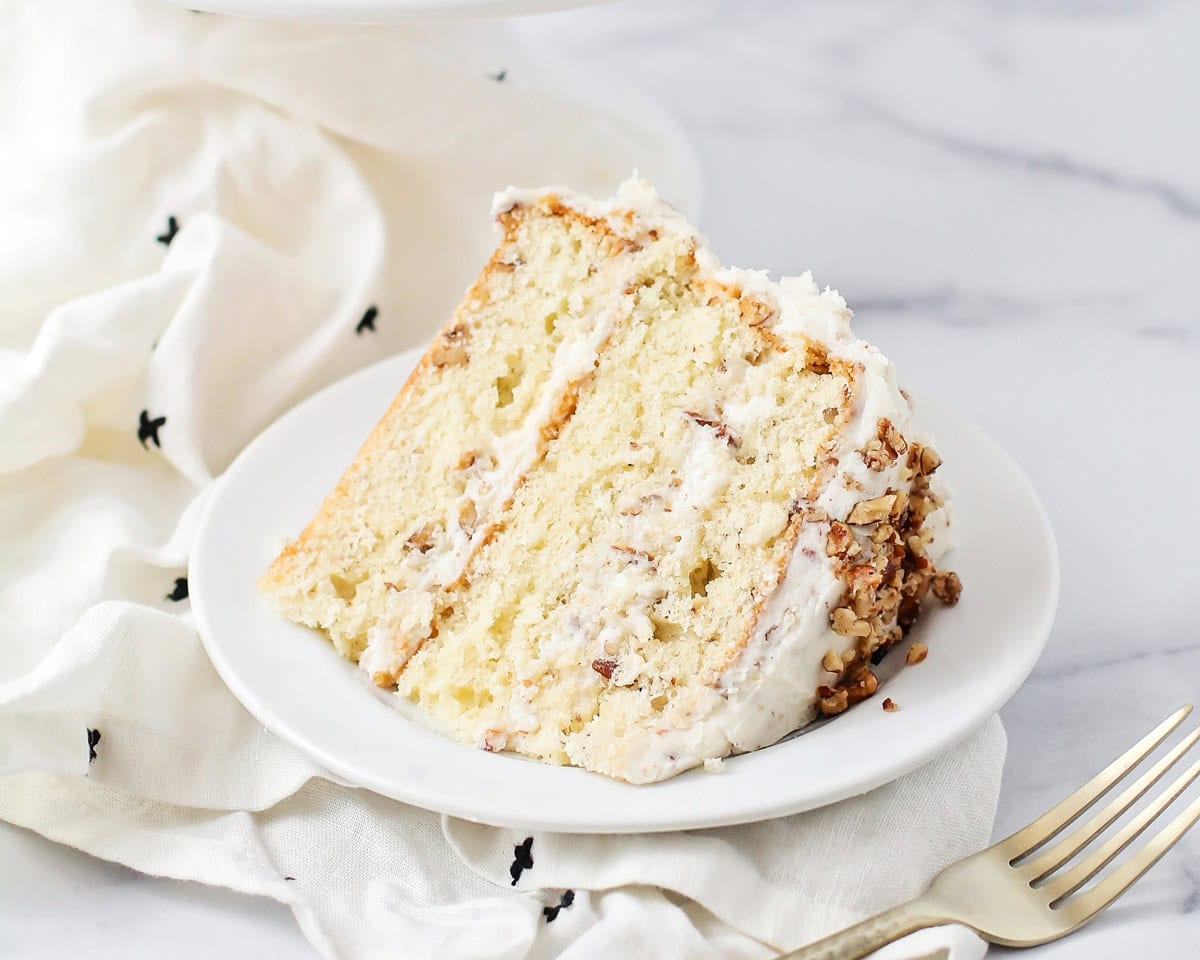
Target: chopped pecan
(450, 349)
(873, 510)
(809, 514)
(947, 587)
(883, 532)
(816, 357)
(875, 456)
(862, 684)
(847, 624)
(910, 609)
(722, 430)
(834, 704)
(422, 539)
(839, 540)
(892, 438)
(832, 663)
(754, 312)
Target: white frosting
(634, 195)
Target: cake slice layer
(472, 420)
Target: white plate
(292, 680)
(379, 11)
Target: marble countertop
(1008, 194)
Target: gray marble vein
(964, 308)
(1135, 655)
(1173, 198)
(1191, 903)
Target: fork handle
(878, 931)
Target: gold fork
(1009, 895)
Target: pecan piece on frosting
(873, 510)
(836, 702)
(847, 624)
(930, 460)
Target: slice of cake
(631, 511)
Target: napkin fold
(206, 220)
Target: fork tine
(1125, 876)
(1081, 873)
(1030, 837)
(1062, 851)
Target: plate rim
(938, 741)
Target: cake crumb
(890, 705)
(714, 765)
(916, 653)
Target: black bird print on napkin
(368, 320)
(179, 592)
(93, 739)
(499, 77)
(565, 901)
(148, 428)
(522, 859)
(172, 229)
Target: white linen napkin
(203, 221)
